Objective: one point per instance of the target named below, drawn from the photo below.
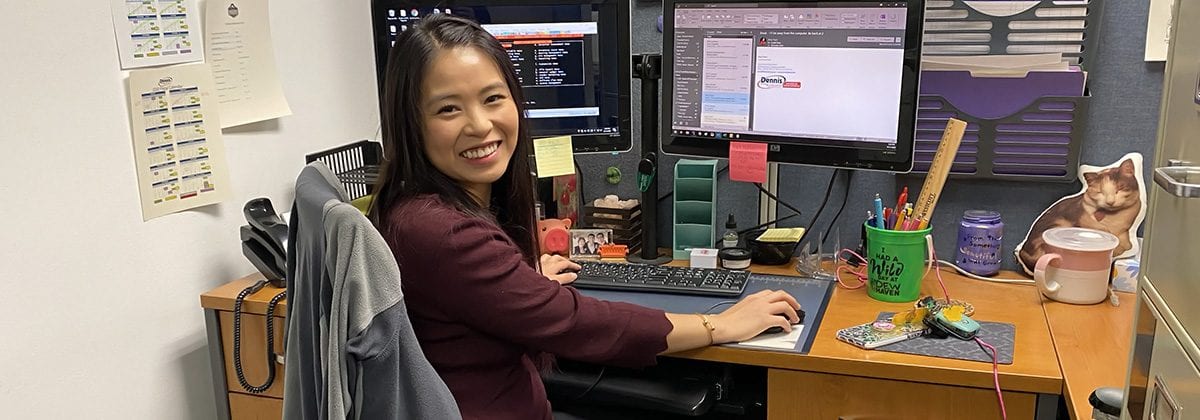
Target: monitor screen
(571, 58)
(822, 83)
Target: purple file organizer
(1026, 128)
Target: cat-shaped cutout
(1113, 200)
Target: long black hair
(408, 173)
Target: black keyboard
(664, 279)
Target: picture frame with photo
(586, 243)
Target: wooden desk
(872, 384)
(1092, 342)
(834, 379)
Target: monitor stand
(648, 68)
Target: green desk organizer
(695, 206)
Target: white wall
(100, 312)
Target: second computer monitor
(571, 56)
(821, 83)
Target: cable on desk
(966, 273)
(237, 337)
(995, 375)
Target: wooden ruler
(938, 170)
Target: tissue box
(703, 258)
(1125, 275)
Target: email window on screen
(820, 72)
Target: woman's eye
(446, 109)
(493, 98)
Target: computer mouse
(777, 329)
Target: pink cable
(995, 375)
(859, 274)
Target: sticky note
(748, 162)
(554, 156)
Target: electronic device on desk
(663, 279)
(264, 243)
(821, 83)
(572, 59)
(264, 240)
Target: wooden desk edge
(1081, 379)
(914, 372)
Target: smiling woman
(455, 203)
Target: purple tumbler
(980, 236)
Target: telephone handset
(264, 243)
(264, 240)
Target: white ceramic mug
(1076, 266)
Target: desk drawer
(808, 395)
(254, 359)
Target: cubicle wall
(1122, 117)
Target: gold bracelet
(708, 326)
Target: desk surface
(1035, 365)
(1092, 342)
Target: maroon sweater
(479, 311)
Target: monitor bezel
(582, 143)
(812, 155)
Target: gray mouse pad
(1000, 335)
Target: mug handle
(1049, 287)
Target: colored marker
(879, 223)
(900, 215)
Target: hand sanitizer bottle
(730, 239)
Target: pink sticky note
(748, 162)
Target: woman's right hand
(754, 314)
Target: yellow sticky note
(554, 156)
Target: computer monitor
(572, 59)
(821, 83)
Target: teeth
(480, 152)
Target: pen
(887, 217)
(903, 199)
(870, 219)
(900, 215)
(879, 213)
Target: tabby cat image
(1111, 202)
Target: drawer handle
(1179, 181)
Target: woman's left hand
(559, 268)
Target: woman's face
(470, 118)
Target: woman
(456, 204)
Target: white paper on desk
(177, 144)
(157, 32)
(784, 340)
(243, 61)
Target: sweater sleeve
(472, 269)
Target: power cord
(237, 337)
(966, 273)
(845, 198)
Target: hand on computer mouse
(559, 268)
(778, 329)
(755, 313)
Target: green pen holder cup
(895, 264)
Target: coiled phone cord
(237, 337)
